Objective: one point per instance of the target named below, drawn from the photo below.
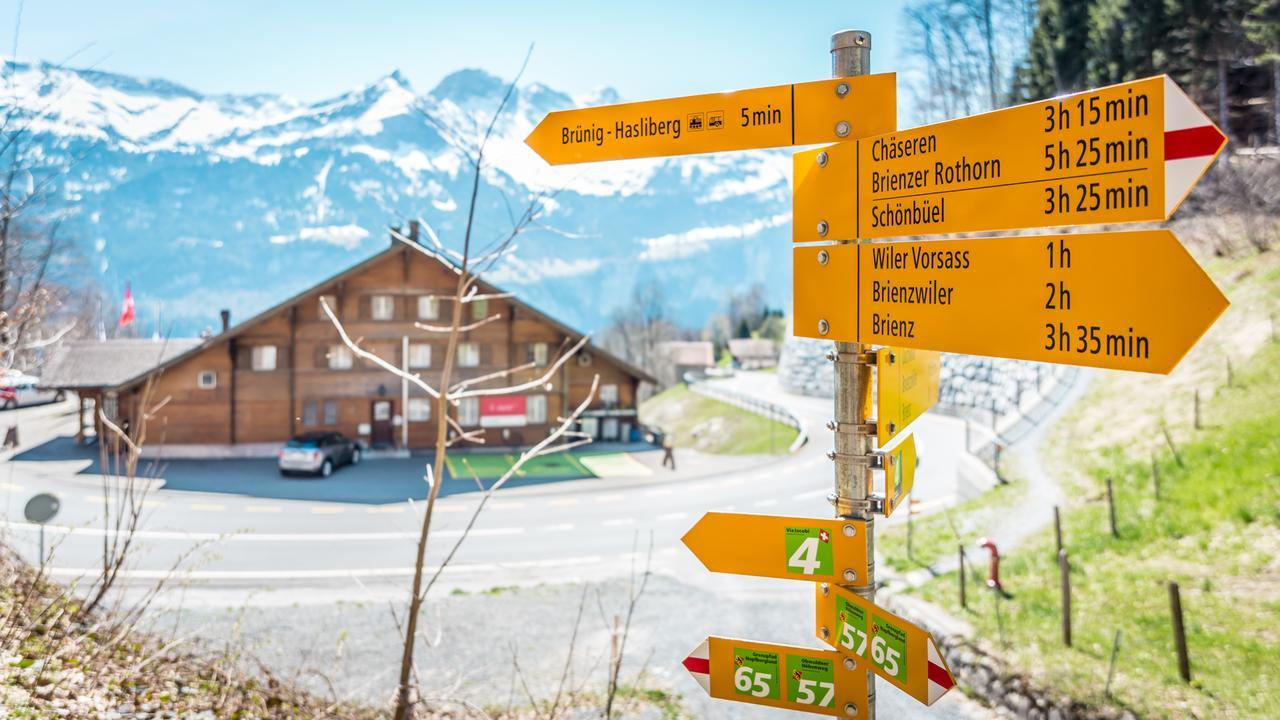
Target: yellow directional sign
(883, 643)
(789, 548)
(899, 474)
(799, 114)
(1124, 153)
(781, 676)
(1125, 301)
(907, 383)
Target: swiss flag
(126, 309)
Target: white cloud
(347, 237)
(690, 242)
(515, 271)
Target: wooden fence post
(1111, 668)
(1111, 509)
(1057, 528)
(1179, 632)
(1168, 439)
(964, 600)
(1155, 474)
(1196, 415)
(1064, 572)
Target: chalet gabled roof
(392, 248)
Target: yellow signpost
(1124, 153)
(799, 114)
(781, 676)
(899, 474)
(780, 547)
(879, 641)
(1078, 299)
(907, 383)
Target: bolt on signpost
(1131, 301)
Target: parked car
(318, 453)
(22, 390)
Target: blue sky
(312, 49)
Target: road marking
(619, 522)
(731, 482)
(451, 508)
(811, 494)
(765, 503)
(562, 502)
(562, 527)
(96, 499)
(506, 505)
(263, 508)
(658, 492)
(673, 516)
(208, 507)
(260, 537)
(614, 497)
(326, 510)
(10, 486)
(389, 509)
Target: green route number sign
(810, 681)
(884, 643)
(755, 673)
(808, 551)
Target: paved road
(282, 554)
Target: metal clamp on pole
(867, 357)
(866, 428)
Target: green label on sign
(851, 627)
(810, 681)
(755, 673)
(889, 648)
(808, 551)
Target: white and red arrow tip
(699, 665)
(940, 679)
(1191, 142)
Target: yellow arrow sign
(789, 548)
(883, 643)
(1125, 301)
(899, 474)
(907, 383)
(781, 676)
(1124, 153)
(799, 114)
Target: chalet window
(419, 355)
(263, 357)
(339, 357)
(538, 354)
(419, 409)
(535, 409)
(309, 415)
(468, 354)
(207, 380)
(382, 307)
(428, 307)
(609, 394)
(469, 412)
(331, 301)
(480, 309)
(330, 412)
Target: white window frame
(540, 353)
(382, 307)
(609, 394)
(419, 410)
(428, 307)
(207, 379)
(479, 308)
(535, 409)
(340, 357)
(262, 358)
(469, 412)
(419, 355)
(468, 354)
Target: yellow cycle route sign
(798, 114)
(781, 676)
(789, 548)
(907, 383)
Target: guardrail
(764, 408)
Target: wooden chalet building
(285, 371)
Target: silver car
(318, 453)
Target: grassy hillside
(712, 426)
(1215, 530)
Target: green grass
(1215, 531)
(714, 427)
(936, 536)
(493, 465)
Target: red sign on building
(502, 411)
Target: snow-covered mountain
(211, 201)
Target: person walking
(668, 450)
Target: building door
(380, 429)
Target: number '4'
(806, 557)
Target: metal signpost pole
(851, 55)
